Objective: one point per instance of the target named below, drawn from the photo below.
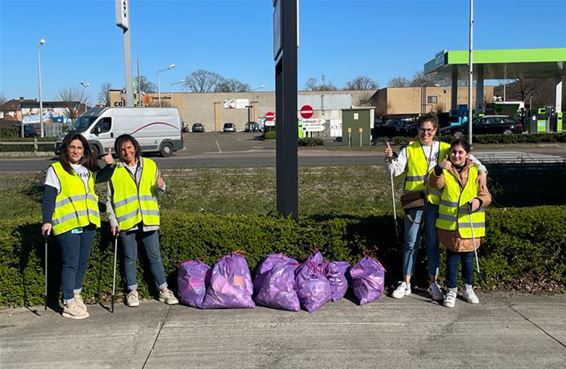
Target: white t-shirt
(53, 181)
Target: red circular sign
(306, 111)
(269, 115)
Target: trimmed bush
(524, 250)
(269, 135)
(310, 141)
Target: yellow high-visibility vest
(135, 203)
(454, 210)
(417, 170)
(75, 206)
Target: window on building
(432, 99)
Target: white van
(157, 130)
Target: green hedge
(525, 249)
(492, 139)
(310, 141)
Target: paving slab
(503, 331)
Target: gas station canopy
(501, 64)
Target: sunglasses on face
(426, 130)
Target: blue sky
(340, 39)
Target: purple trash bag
(317, 258)
(278, 287)
(335, 272)
(368, 280)
(265, 267)
(192, 279)
(312, 286)
(230, 284)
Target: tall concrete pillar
(558, 101)
(479, 105)
(454, 91)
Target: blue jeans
(413, 221)
(431, 238)
(452, 261)
(413, 224)
(150, 242)
(75, 252)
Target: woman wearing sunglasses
(420, 202)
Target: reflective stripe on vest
(417, 168)
(74, 206)
(454, 213)
(135, 203)
(433, 194)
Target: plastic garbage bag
(278, 287)
(230, 284)
(192, 279)
(368, 280)
(335, 272)
(313, 289)
(317, 258)
(265, 267)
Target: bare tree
(202, 81)
(313, 85)
(104, 94)
(73, 98)
(145, 84)
(398, 82)
(2, 98)
(233, 85)
(361, 83)
(420, 79)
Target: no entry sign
(306, 111)
(269, 116)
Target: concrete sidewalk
(504, 331)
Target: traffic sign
(306, 111)
(269, 116)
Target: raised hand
(388, 151)
(445, 164)
(160, 183)
(108, 158)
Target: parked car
(393, 127)
(229, 127)
(494, 124)
(197, 127)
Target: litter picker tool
(114, 275)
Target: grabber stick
(114, 275)
(393, 199)
(45, 282)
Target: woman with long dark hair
(70, 211)
(421, 208)
(134, 215)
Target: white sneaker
(435, 292)
(79, 301)
(450, 299)
(73, 311)
(470, 295)
(402, 290)
(133, 299)
(167, 296)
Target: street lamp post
(251, 104)
(41, 43)
(85, 85)
(171, 66)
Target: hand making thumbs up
(388, 151)
(108, 158)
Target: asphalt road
(226, 150)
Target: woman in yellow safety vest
(134, 215)
(417, 160)
(461, 218)
(70, 210)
